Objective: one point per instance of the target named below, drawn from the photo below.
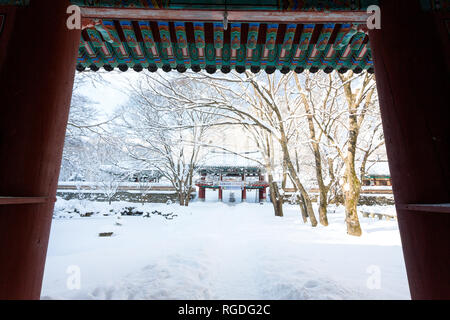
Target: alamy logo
(374, 21)
(374, 280)
(74, 279)
(74, 20)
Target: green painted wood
(255, 46)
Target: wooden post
(411, 54)
(220, 194)
(244, 194)
(201, 193)
(37, 67)
(262, 194)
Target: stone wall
(372, 200)
(364, 199)
(133, 197)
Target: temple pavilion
(225, 171)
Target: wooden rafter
(232, 16)
(22, 200)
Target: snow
(386, 188)
(221, 251)
(223, 159)
(122, 184)
(380, 168)
(129, 191)
(388, 210)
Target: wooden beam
(218, 15)
(435, 208)
(22, 200)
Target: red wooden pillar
(37, 65)
(201, 193)
(262, 194)
(244, 191)
(220, 194)
(244, 194)
(411, 53)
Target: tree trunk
(187, 197)
(303, 208)
(323, 190)
(275, 197)
(299, 186)
(283, 182)
(351, 190)
(352, 185)
(181, 197)
(323, 203)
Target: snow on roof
(133, 165)
(380, 168)
(110, 169)
(222, 159)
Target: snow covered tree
(317, 96)
(108, 181)
(83, 124)
(163, 135)
(106, 166)
(343, 109)
(253, 101)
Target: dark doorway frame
(411, 53)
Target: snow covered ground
(221, 251)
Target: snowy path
(235, 261)
(216, 251)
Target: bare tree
(264, 140)
(108, 181)
(165, 135)
(345, 115)
(251, 101)
(84, 124)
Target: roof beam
(23, 200)
(218, 15)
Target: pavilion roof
(378, 169)
(217, 170)
(228, 163)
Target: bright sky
(111, 93)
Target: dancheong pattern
(182, 45)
